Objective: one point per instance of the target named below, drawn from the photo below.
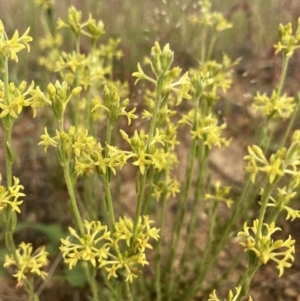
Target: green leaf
(53, 232)
(76, 276)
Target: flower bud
(51, 90)
(22, 86)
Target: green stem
(91, 274)
(263, 208)
(159, 244)
(7, 124)
(211, 46)
(182, 208)
(246, 278)
(143, 177)
(29, 287)
(88, 113)
(202, 163)
(180, 215)
(265, 137)
(247, 194)
(149, 197)
(106, 180)
(11, 246)
(206, 256)
(74, 206)
(76, 82)
(203, 45)
(114, 294)
(128, 291)
(108, 201)
(285, 63)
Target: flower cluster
(114, 107)
(169, 185)
(88, 153)
(10, 47)
(220, 195)
(214, 20)
(94, 68)
(10, 197)
(257, 162)
(281, 200)
(28, 262)
(88, 28)
(124, 257)
(114, 251)
(275, 105)
(209, 77)
(205, 128)
(266, 248)
(60, 95)
(45, 4)
(139, 144)
(288, 41)
(169, 79)
(13, 102)
(231, 296)
(283, 162)
(93, 246)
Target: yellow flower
(28, 262)
(89, 247)
(10, 196)
(231, 296)
(265, 248)
(9, 48)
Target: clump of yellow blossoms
(115, 251)
(27, 262)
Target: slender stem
(114, 294)
(285, 63)
(211, 46)
(29, 287)
(128, 291)
(106, 180)
(11, 246)
(7, 124)
(143, 177)
(159, 243)
(108, 201)
(141, 193)
(9, 160)
(246, 278)
(232, 221)
(207, 252)
(182, 209)
(265, 138)
(76, 82)
(149, 197)
(179, 220)
(90, 272)
(263, 207)
(203, 45)
(74, 206)
(202, 163)
(88, 114)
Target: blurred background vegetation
(140, 23)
